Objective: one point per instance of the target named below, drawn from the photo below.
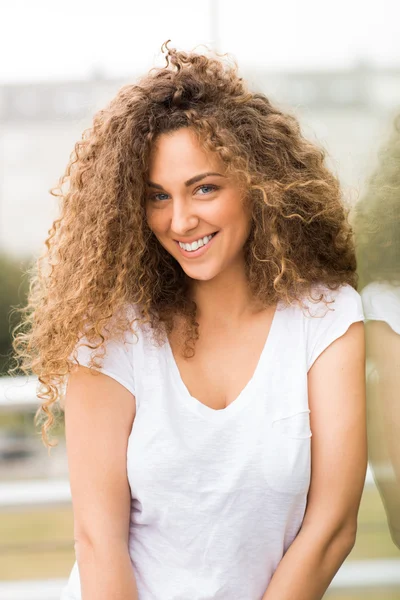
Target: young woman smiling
(203, 268)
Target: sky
(42, 40)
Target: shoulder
(328, 316)
(116, 354)
(324, 302)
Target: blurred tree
(14, 285)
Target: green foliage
(14, 285)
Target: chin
(199, 275)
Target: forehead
(180, 152)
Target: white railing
(31, 493)
(18, 394)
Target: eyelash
(207, 185)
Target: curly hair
(101, 256)
(376, 220)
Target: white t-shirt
(218, 496)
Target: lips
(201, 250)
(196, 239)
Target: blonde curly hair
(101, 256)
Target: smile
(198, 247)
(197, 244)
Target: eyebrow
(190, 181)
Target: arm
(383, 401)
(99, 413)
(336, 387)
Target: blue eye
(205, 185)
(154, 197)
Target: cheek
(237, 218)
(228, 212)
(155, 220)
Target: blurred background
(336, 67)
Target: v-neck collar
(244, 396)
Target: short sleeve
(117, 361)
(327, 323)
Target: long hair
(101, 257)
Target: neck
(224, 300)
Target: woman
(204, 265)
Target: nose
(183, 218)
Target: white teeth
(197, 244)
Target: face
(189, 198)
